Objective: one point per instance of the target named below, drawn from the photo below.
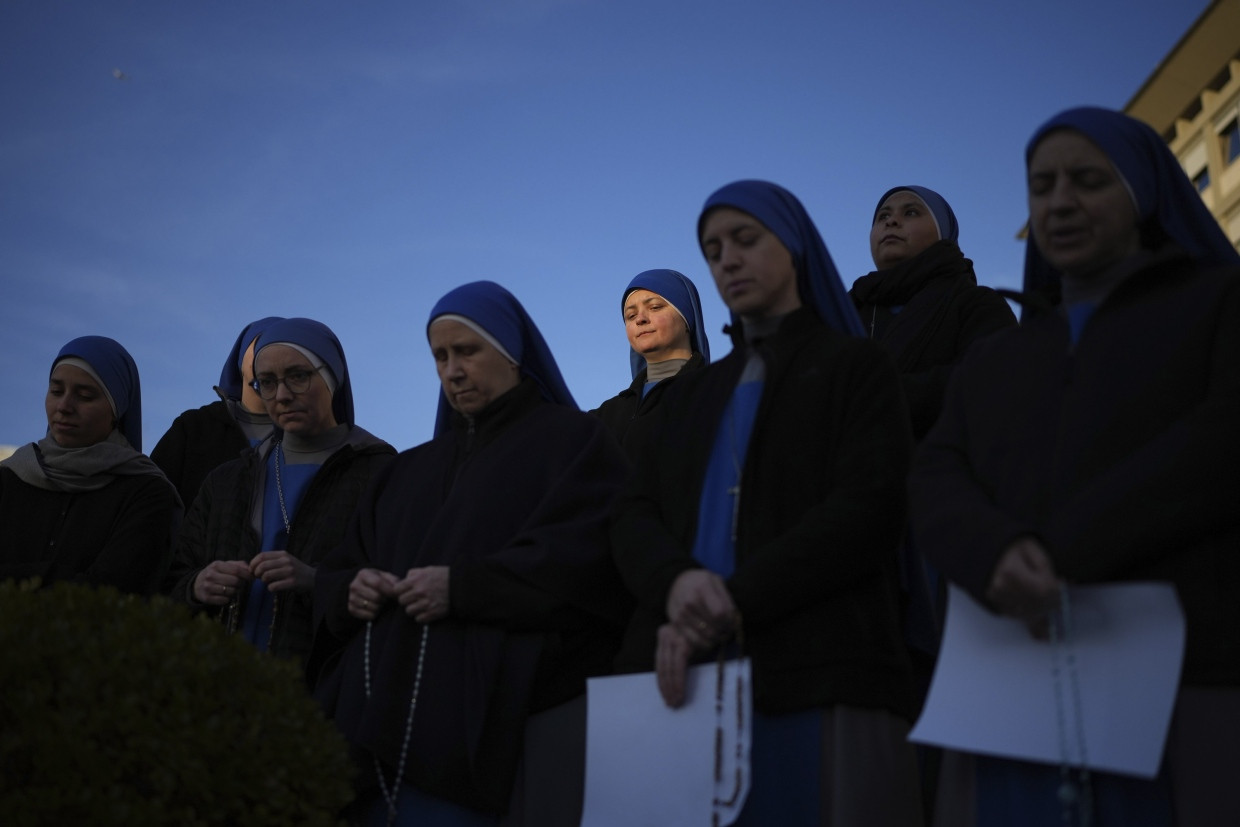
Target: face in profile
(654, 327)
(78, 411)
(1080, 212)
(306, 408)
(902, 228)
(472, 372)
(753, 270)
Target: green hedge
(119, 710)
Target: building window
(1231, 140)
(1202, 180)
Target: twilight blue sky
(353, 161)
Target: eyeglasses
(297, 381)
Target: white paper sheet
(651, 766)
(994, 687)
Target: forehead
(903, 198)
(68, 374)
(640, 296)
(723, 220)
(448, 333)
(275, 357)
(1067, 148)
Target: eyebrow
(635, 302)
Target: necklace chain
(390, 794)
(729, 802)
(1070, 793)
(288, 526)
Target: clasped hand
(422, 593)
(701, 615)
(1024, 585)
(218, 582)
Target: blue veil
(317, 338)
(818, 282)
(231, 375)
(1166, 199)
(118, 372)
(498, 312)
(677, 289)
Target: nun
(922, 302)
(202, 438)
(83, 504)
(475, 592)
(1097, 443)
(667, 338)
(262, 523)
(770, 523)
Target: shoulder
(214, 413)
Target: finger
(671, 676)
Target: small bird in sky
(119, 75)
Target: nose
(729, 256)
(1062, 197)
(453, 368)
(283, 394)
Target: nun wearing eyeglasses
(83, 504)
(1097, 443)
(262, 523)
(476, 592)
(667, 338)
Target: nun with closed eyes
(83, 504)
(204, 438)
(475, 592)
(770, 521)
(667, 338)
(1097, 444)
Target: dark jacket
(623, 410)
(942, 312)
(1120, 453)
(198, 441)
(820, 518)
(515, 503)
(219, 527)
(120, 535)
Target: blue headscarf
(119, 374)
(317, 338)
(231, 376)
(675, 288)
(1166, 200)
(498, 312)
(944, 218)
(818, 282)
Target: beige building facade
(1193, 100)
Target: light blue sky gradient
(353, 161)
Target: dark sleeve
(199, 542)
(558, 564)
(955, 522)
(169, 455)
(135, 555)
(1177, 489)
(983, 312)
(332, 621)
(646, 552)
(851, 534)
